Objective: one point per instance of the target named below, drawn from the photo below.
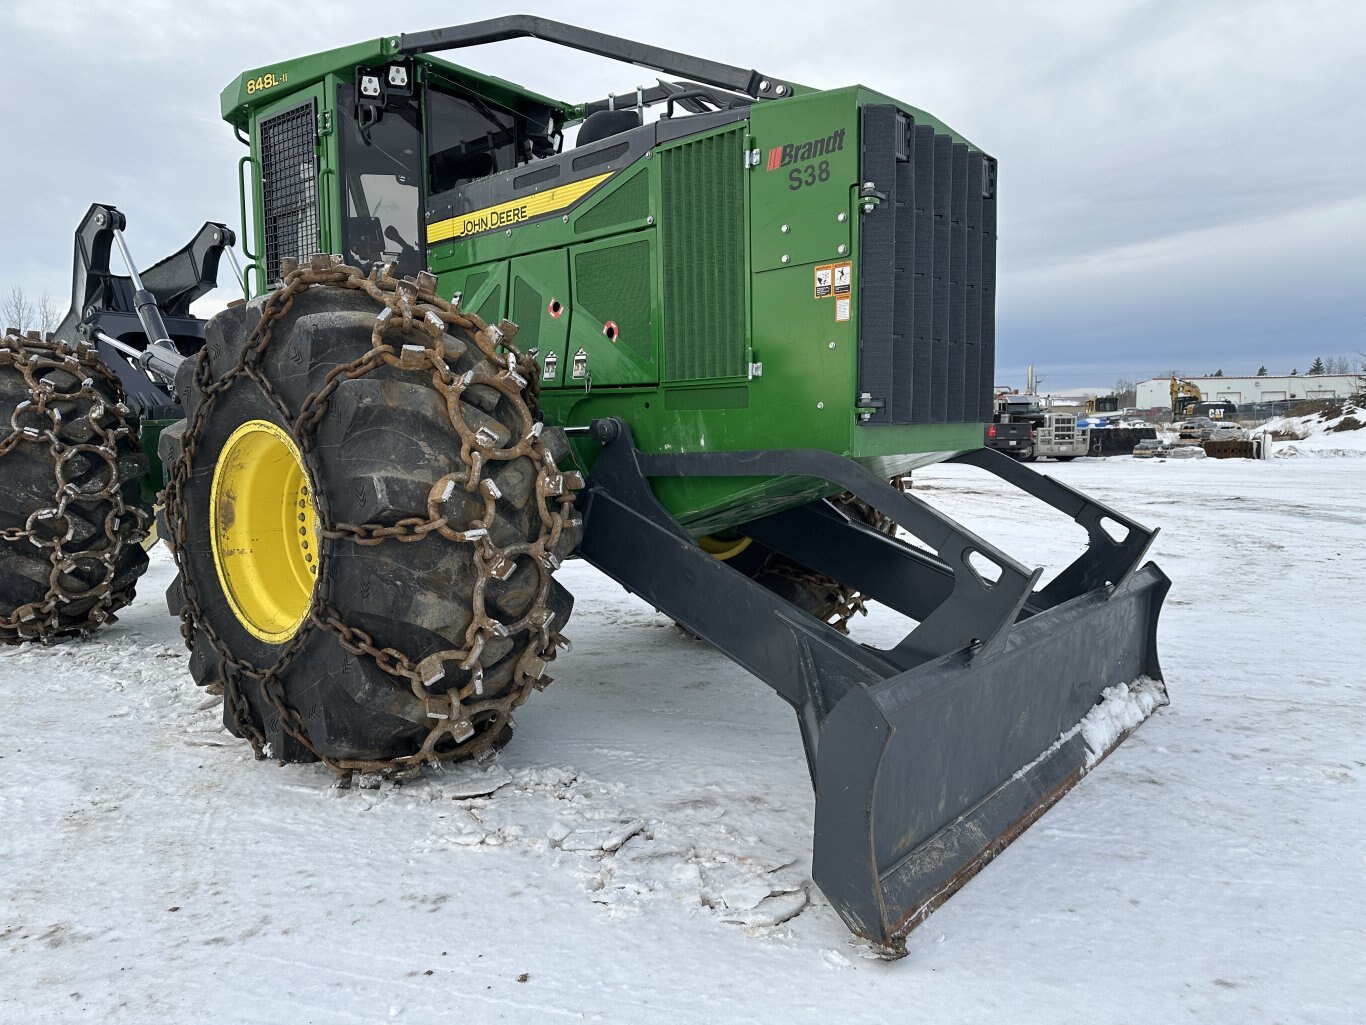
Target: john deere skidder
(734, 323)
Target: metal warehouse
(1252, 391)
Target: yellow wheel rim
(724, 546)
(264, 534)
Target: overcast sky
(1182, 182)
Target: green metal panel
(151, 482)
(625, 205)
(800, 190)
(540, 309)
(268, 83)
(808, 346)
(482, 290)
(613, 320)
(491, 299)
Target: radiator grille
(702, 233)
(289, 187)
(928, 262)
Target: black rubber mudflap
(927, 758)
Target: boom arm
(519, 26)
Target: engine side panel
(716, 281)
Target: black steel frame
(522, 26)
(105, 302)
(929, 757)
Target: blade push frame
(927, 758)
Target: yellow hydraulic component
(264, 532)
(724, 546)
(150, 541)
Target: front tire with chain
(420, 611)
(71, 515)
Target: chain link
(40, 422)
(844, 602)
(411, 332)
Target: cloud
(1180, 180)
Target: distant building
(1252, 392)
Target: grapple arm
(143, 317)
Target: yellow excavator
(1185, 396)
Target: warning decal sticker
(824, 275)
(842, 306)
(844, 277)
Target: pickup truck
(1047, 435)
(1013, 437)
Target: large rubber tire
(384, 441)
(71, 516)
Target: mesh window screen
(289, 187)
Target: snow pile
(1335, 431)
(1122, 708)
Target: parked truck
(1022, 428)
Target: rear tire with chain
(823, 597)
(359, 663)
(71, 515)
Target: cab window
(381, 184)
(466, 139)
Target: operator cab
(405, 146)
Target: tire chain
(39, 421)
(848, 602)
(418, 320)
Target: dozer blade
(930, 757)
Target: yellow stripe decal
(509, 215)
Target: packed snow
(640, 852)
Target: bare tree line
(20, 313)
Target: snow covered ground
(1338, 431)
(640, 852)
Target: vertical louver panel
(943, 246)
(922, 320)
(988, 239)
(958, 287)
(702, 237)
(927, 266)
(881, 266)
(289, 187)
(973, 384)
